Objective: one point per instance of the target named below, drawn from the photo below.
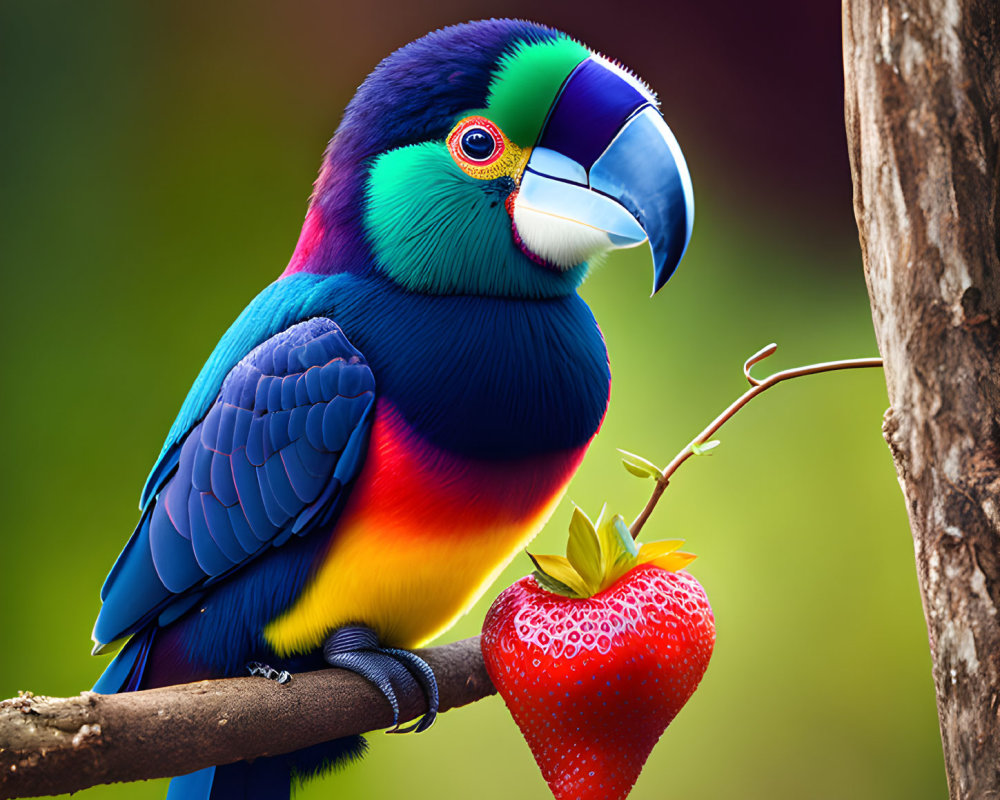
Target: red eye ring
(467, 125)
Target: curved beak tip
(645, 170)
(666, 265)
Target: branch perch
(55, 745)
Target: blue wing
(279, 305)
(271, 459)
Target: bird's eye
(478, 144)
(481, 150)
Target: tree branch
(55, 745)
(922, 80)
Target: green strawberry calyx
(599, 554)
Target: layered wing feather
(272, 458)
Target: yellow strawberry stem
(756, 387)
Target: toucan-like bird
(388, 423)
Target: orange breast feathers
(423, 534)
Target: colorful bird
(388, 423)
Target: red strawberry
(596, 653)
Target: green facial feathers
(526, 83)
(436, 230)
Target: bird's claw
(257, 669)
(392, 670)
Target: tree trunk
(923, 110)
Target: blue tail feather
(125, 671)
(194, 786)
(255, 780)
(265, 778)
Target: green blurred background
(155, 163)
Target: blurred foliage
(154, 176)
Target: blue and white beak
(606, 173)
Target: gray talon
(393, 671)
(257, 669)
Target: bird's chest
(423, 535)
(487, 378)
(474, 441)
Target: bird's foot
(258, 669)
(394, 671)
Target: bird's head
(497, 158)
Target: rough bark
(923, 110)
(56, 745)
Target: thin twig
(756, 387)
